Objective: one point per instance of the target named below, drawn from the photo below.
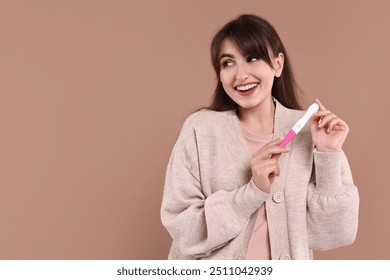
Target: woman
(231, 192)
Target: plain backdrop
(93, 95)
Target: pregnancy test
(299, 124)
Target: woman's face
(247, 80)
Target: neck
(258, 120)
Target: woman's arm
(200, 224)
(333, 199)
(333, 203)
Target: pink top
(259, 248)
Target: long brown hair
(255, 37)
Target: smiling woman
(241, 75)
(252, 39)
(231, 190)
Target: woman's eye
(227, 63)
(252, 58)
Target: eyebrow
(226, 55)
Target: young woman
(231, 192)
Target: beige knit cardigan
(210, 202)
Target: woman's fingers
(322, 107)
(338, 125)
(265, 165)
(271, 166)
(262, 171)
(326, 118)
(275, 142)
(340, 128)
(330, 121)
(276, 156)
(270, 149)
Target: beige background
(93, 95)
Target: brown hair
(255, 37)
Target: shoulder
(208, 119)
(206, 126)
(203, 128)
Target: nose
(242, 72)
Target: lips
(246, 89)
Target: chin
(249, 104)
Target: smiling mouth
(246, 88)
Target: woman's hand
(327, 130)
(265, 166)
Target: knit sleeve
(333, 203)
(200, 224)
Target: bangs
(249, 42)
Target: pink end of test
(290, 135)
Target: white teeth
(246, 87)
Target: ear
(278, 64)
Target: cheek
(225, 80)
(266, 78)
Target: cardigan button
(285, 257)
(278, 197)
